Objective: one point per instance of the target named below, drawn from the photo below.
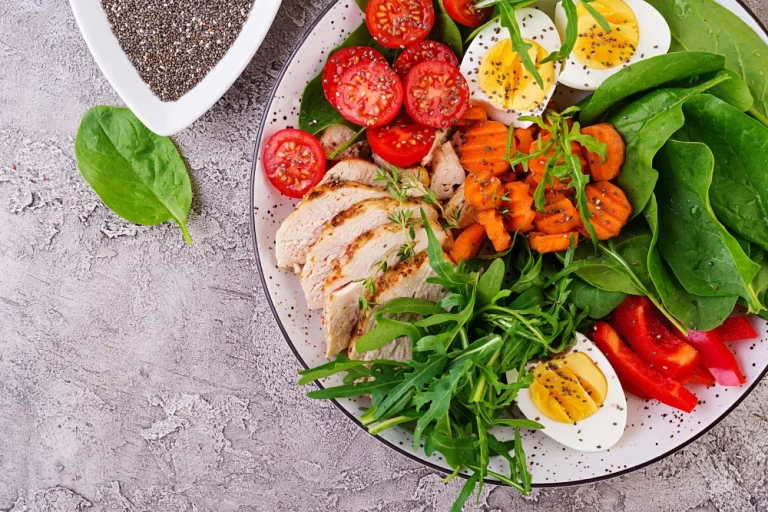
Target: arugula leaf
(439, 397)
(352, 390)
(509, 21)
(139, 175)
(490, 282)
(340, 364)
(571, 32)
(598, 17)
(466, 492)
(422, 374)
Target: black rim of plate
(412, 455)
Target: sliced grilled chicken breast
(343, 289)
(321, 204)
(365, 172)
(406, 279)
(441, 137)
(343, 229)
(447, 172)
(457, 206)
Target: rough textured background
(138, 374)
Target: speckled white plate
(653, 430)
(169, 117)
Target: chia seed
(174, 44)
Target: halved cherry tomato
(421, 52)
(399, 23)
(637, 376)
(294, 162)
(402, 141)
(370, 94)
(341, 61)
(465, 13)
(436, 94)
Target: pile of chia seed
(173, 44)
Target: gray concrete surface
(138, 374)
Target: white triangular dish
(168, 118)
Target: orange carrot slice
(611, 168)
(468, 243)
(609, 208)
(494, 227)
(484, 148)
(544, 243)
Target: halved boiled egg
(638, 31)
(496, 76)
(577, 397)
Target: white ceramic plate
(653, 430)
(168, 118)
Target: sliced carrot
(472, 116)
(559, 216)
(484, 148)
(611, 168)
(482, 190)
(468, 243)
(609, 208)
(524, 137)
(494, 227)
(517, 207)
(544, 243)
(522, 222)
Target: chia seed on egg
(174, 44)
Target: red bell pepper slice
(631, 369)
(717, 357)
(637, 320)
(736, 328)
(701, 375)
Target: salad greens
(445, 30)
(695, 312)
(739, 192)
(646, 75)
(703, 255)
(705, 25)
(139, 175)
(455, 390)
(645, 125)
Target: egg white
(535, 26)
(654, 40)
(595, 433)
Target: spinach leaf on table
(645, 75)
(706, 25)
(739, 192)
(702, 254)
(646, 124)
(694, 311)
(139, 175)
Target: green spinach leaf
(702, 254)
(446, 31)
(598, 303)
(739, 192)
(139, 175)
(645, 125)
(694, 311)
(706, 25)
(646, 75)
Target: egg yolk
(568, 389)
(597, 49)
(508, 84)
